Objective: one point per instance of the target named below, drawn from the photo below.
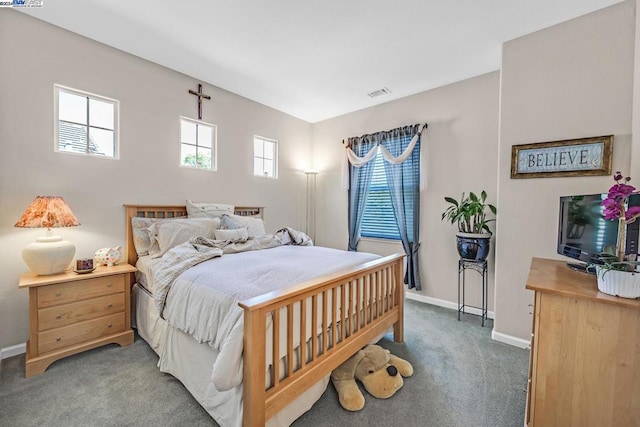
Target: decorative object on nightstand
(49, 254)
(108, 256)
(70, 313)
(84, 266)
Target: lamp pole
(311, 203)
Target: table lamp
(49, 254)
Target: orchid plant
(616, 209)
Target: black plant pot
(474, 247)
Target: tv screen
(584, 234)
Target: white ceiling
(315, 59)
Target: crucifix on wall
(200, 95)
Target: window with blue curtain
(384, 196)
(378, 219)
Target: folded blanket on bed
(198, 249)
(173, 263)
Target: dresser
(585, 352)
(70, 313)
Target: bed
(294, 326)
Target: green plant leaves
(469, 213)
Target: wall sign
(572, 157)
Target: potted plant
(618, 275)
(470, 215)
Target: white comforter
(203, 300)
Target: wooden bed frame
(375, 295)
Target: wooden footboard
(365, 301)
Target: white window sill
(386, 241)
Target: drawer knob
(109, 305)
(58, 338)
(59, 316)
(58, 294)
(109, 325)
(109, 285)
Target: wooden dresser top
(554, 276)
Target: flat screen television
(584, 234)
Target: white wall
(35, 55)
(459, 150)
(569, 81)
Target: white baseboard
(445, 304)
(496, 336)
(509, 339)
(14, 350)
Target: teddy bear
(380, 372)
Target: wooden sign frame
(571, 157)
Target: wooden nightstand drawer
(70, 313)
(64, 293)
(66, 314)
(78, 333)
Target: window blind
(378, 219)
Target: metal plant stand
(481, 268)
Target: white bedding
(183, 357)
(143, 265)
(202, 300)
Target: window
(198, 142)
(265, 157)
(85, 123)
(378, 219)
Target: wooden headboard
(171, 211)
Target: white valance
(351, 157)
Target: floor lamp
(311, 203)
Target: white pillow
(208, 210)
(236, 235)
(165, 235)
(255, 226)
(140, 227)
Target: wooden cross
(200, 95)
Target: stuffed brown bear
(377, 369)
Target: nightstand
(70, 313)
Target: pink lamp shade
(47, 212)
(49, 254)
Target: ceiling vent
(379, 92)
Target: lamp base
(48, 255)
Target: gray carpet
(462, 378)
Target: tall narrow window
(384, 191)
(378, 219)
(197, 144)
(85, 123)
(265, 157)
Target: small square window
(85, 123)
(197, 144)
(265, 157)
